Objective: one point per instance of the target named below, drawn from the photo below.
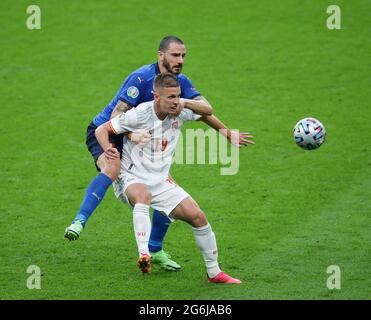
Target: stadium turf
(280, 222)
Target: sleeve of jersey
(130, 92)
(188, 90)
(125, 122)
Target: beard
(171, 70)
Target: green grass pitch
(280, 222)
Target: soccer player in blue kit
(138, 88)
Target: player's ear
(160, 55)
(156, 96)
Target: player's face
(173, 58)
(168, 100)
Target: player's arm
(129, 95)
(238, 139)
(102, 134)
(198, 105)
(121, 107)
(127, 100)
(140, 138)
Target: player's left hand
(111, 153)
(240, 139)
(140, 137)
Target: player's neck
(160, 115)
(162, 68)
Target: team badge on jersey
(175, 124)
(132, 92)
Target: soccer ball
(309, 133)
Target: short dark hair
(165, 80)
(165, 42)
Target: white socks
(142, 227)
(205, 239)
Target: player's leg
(161, 258)
(94, 195)
(160, 225)
(188, 211)
(97, 188)
(140, 197)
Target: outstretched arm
(238, 139)
(198, 105)
(202, 107)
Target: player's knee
(143, 197)
(198, 219)
(112, 169)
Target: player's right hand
(111, 153)
(241, 139)
(141, 138)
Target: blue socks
(93, 196)
(160, 224)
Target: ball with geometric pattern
(309, 133)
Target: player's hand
(141, 138)
(111, 153)
(240, 139)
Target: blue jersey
(138, 88)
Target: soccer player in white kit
(144, 177)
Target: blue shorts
(94, 147)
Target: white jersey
(150, 164)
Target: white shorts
(165, 196)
